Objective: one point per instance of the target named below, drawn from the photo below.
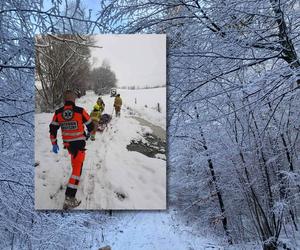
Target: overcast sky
(136, 59)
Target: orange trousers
(77, 163)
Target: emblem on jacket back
(68, 114)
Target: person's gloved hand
(88, 135)
(55, 148)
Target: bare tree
(103, 78)
(62, 62)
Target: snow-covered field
(144, 103)
(112, 177)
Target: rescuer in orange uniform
(71, 119)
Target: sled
(103, 123)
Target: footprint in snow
(121, 196)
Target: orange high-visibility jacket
(71, 119)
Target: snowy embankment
(112, 177)
(144, 103)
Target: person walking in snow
(118, 105)
(71, 119)
(101, 104)
(95, 116)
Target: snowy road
(112, 177)
(169, 233)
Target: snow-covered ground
(144, 103)
(112, 177)
(156, 231)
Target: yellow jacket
(96, 113)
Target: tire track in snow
(96, 173)
(102, 176)
(93, 167)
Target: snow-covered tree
(233, 82)
(21, 226)
(233, 72)
(62, 62)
